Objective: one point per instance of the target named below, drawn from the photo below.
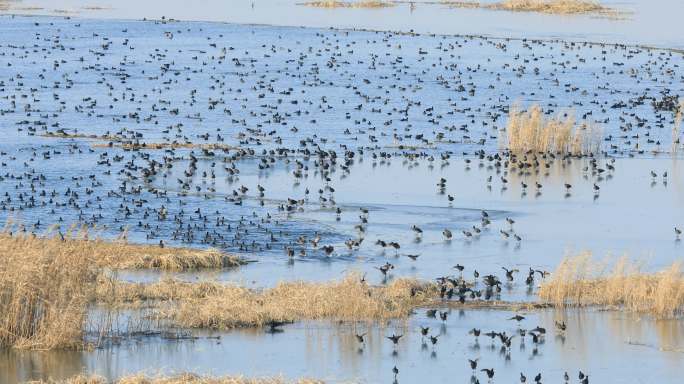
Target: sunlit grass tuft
(676, 129)
(118, 254)
(550, 6)
(532, 131)
(582, 281)
(47, 282)
(219, 306)
(44, 290)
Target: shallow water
(595, 342)
(370, 94)
(648, 22)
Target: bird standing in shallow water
(447, 234)
(489, 372)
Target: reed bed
(117, 254)
(531, 131)
(582, 281)
(676, 128)
(47, 282)
(114, 292)
(179, 379)
(225, 306)
(350, 4)
(550, 6)
(44, 291)
(562, 7)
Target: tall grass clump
(48, 281)
(227, 306)
(179, 379)
(44, 291)
(581, 281)
(532, 131)
(677, 126)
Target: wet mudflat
(276, 143)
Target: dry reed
(531, 131)
(564, 7)
(118, 254)
(180, 379)
(350, 4)
(582, 281)
(44, 290)
(550, 6)
(47, 282)
(224, 306)
(677, 126)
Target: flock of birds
(536, 335)
(156, 139)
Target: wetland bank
(191, 201)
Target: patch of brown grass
(44, 291)
(582, 281)
(350, 4)
(679, 115)
(226, 306)
(186, 378)
(532, 131)
(47, 282)
(563, 7)
(117, 254)
(551, 6)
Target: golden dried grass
(44, 291)
(350, 4)
(582, 281)
(677, 126)
(47, 282)
(117, 254)
(186, 378)
(226, 306)
(563, 7)
(532, 131)
(550, 6)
